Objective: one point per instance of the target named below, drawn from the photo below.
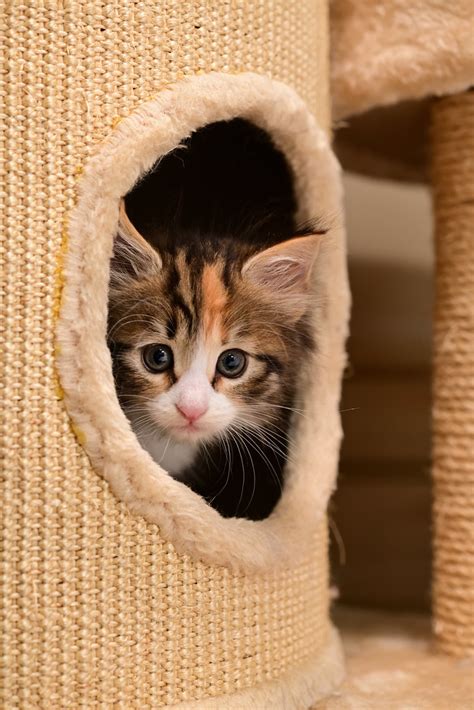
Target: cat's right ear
(133, 257)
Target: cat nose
(192, 411)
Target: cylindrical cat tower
(383, 79)
(120, 587)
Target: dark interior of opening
(227, 179)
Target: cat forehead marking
(214, 300)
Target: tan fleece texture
(84, 361)
(391, 51)
(392, 665)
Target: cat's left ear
(284, 268)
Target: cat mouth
(190, 426)
(194, 431)
(189, 430)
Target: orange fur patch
(214, 300)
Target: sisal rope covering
(97, 610)
(453, 412)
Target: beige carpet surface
(391, 665)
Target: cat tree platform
(392, 664)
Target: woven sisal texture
(453, 411)
(96, 609)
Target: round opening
(246, 145)
(205, 367)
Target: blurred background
(381, 511)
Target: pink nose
(192, 412)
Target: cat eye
(231, 363)
(157, 358)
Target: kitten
(208, 335)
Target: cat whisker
(264, 424)
(254, 478)
(262, 421)
(165, 450)
(276, 441)
(144, 427)
(236, 441)
(271, 468)
(126, 395)
(227, 471)
(294, 410)
(205, 451)
(228, 455)
(125, 321)
(278, 445)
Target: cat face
(209, 339)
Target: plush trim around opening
(84, 362)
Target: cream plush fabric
(386, 52)
(391, 665)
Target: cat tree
(120, 587)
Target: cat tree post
(452, 148)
